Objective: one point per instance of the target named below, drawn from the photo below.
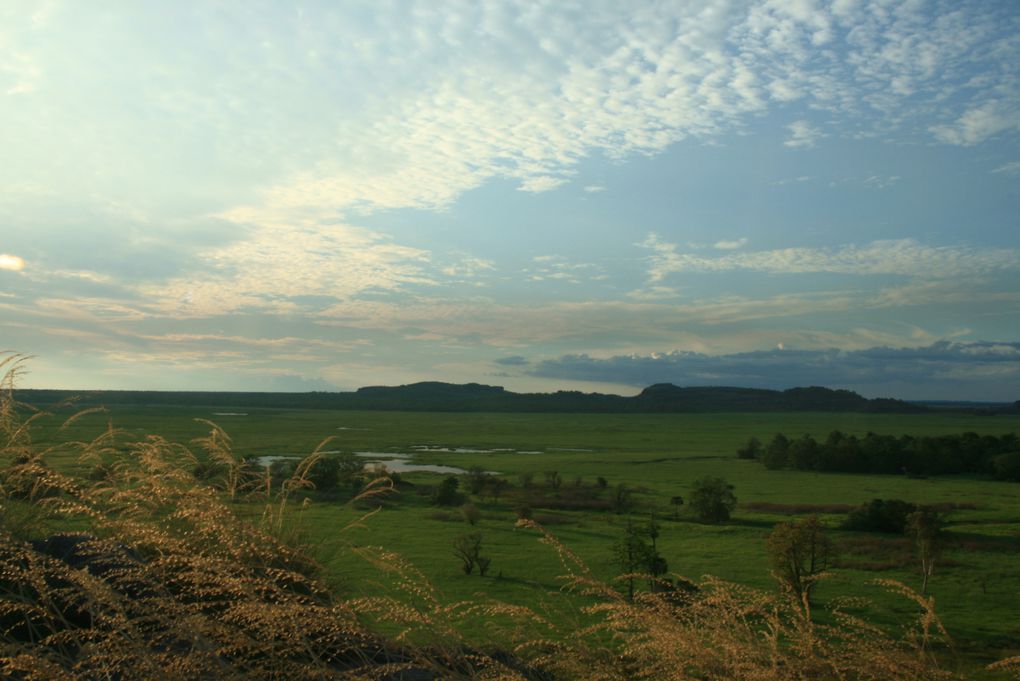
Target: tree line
(963, 454)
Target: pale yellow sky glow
(11, 262)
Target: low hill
(475, 397)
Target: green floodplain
(976, 585)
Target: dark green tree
(677, 502)
(750, 450)
(325, 474)
(632, 555)
(712, 499)
(446, 494)
(476, 479)
(776, 454)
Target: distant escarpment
(475, 397)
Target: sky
(541, 195)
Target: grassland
(976, 589)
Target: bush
(880, 515)
(1007, 466)
(712, 499)
(446, 494)
(750, 450)
(471, 514)
(325, 474)
(776, 455)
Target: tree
(632, 555)
(553, 479)
(1007, 466)
(471, 514)
(677, 502)
(325, 474)
(927, 527)
(798, 550)
(803, 453)
(621, 498)
(495, 486)
(468, 548)
(657, 565)
(476, 479)
(712, 499)
(527, 478)
(446, 493)
(750, 450)
(776, 454)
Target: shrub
(446, 494)
(880, 515)
(471, 514)
(1007, 466)
(325, 474)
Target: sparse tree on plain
(798, 551)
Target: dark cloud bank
(945, 370)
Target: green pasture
(658, 456)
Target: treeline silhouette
(966, 453)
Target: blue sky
(593, 196)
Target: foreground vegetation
(230, 575)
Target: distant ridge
(476, 397)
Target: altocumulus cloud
(965, 366)
(903, 257)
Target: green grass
(977, 592)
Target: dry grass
(166, 581)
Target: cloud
(475, 93)
(792, 180)
(1011, 168)
(541, 183)
(279, 264)
(11, 262)
(904, 257)
(557, 268)
(729, 245)
(802, 135)
(935, 368)
(978, 124)
(513, 361)
(594, 188)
